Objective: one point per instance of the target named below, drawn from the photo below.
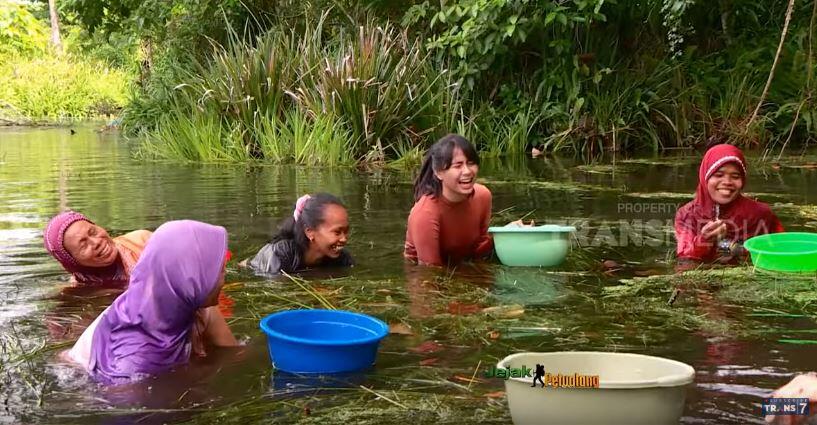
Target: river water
(624, 213)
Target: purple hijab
(147, 329)
(54, 238)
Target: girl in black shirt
(315, 236)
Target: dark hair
(309, 218)
(439, 158)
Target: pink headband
(299, 206)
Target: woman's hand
(714, 230)
(519, 223)
(802, 386)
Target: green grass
(59, 88)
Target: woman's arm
(485, 243)
(802, 386)
(266, 261)
(692, 245)
(425, 230)
(775, 225)
(217, 333)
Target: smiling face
(458, 179)
(89, 244)
(331, 236)
(725, 184)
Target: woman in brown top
(450, 218)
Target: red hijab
(715, 158)
(745, 217)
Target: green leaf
(562, 19)
(577, 106)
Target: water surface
(426, 376)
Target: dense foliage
(36, 82)
(581, 75)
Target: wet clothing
(147, 329)
(284, 256)
(440, 232)
(130, 247)
(745, 218)
(80, 353)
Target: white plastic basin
(633, 389)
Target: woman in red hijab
(714, 224)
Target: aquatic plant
(365, 96)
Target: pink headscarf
(54, 238)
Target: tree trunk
(783, 33)
(55, 26)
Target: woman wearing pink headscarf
(87, 251)
(150, 328)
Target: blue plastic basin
(322, 341)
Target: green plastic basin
(542, 246)
(784, 252)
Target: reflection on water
(529, 286)
(46, 170)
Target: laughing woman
(450, 218)
(714, 225)
(89, 253)
(315, 236)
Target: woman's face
(89, 244)
(725, 184)
(458, 179)
(331, 236)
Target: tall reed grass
(295, 97)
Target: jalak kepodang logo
(546, 379)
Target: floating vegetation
(748, 295)
(667, 161)
(551, 185)
(802, 212)
(660, 195)
(604, 168)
